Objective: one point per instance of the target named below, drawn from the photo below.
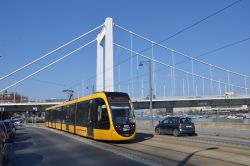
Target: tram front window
(122, 113)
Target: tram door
(90, 125)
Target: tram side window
(82, 113)
(102, 115)
(72, 113)
(58, 115)
(66, 114)
(52, 116)
(63, 115)
(54, 113)
(47, 116)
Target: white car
(17, 122)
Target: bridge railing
(33, 101)
(188, 97)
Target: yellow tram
(100, 116)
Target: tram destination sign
(118, 99)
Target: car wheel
(158, 131)
(176, 133)
(193, 134)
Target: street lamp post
(150, 89)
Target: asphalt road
(186, 150)
(44, 146)
(211, 136)
(36, 146)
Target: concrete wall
(146, 125)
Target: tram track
(206, 145)
(171, 150)
(209, 138)
(168, 150)
(166, 159)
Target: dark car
(11, 130)
(2, 139)
(176, 126)
(3, 127)
(4, 144)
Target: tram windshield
(122, 113)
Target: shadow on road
(140, 137)
(186, 159)
(20, 134)
(21, 146)
(21, 143)
(22, 138)
(26, 159)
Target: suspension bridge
(153, 74)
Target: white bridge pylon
(105, 39)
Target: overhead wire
(194, 24)
(216, 49)
(200, 21)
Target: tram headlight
(118, 127)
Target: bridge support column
(107, 35)
(99, 65)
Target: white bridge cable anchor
(49, 53)
(45, 67)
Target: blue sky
(29, 29)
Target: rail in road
(44, 146)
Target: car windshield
(186, 120)
(122, 113)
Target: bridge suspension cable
(218, 82)
(215, 50)
(187, 73)
(180, 53)
(194, 24)
(181, 70)
(45, 67)
(198, 22)
(49, 53)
